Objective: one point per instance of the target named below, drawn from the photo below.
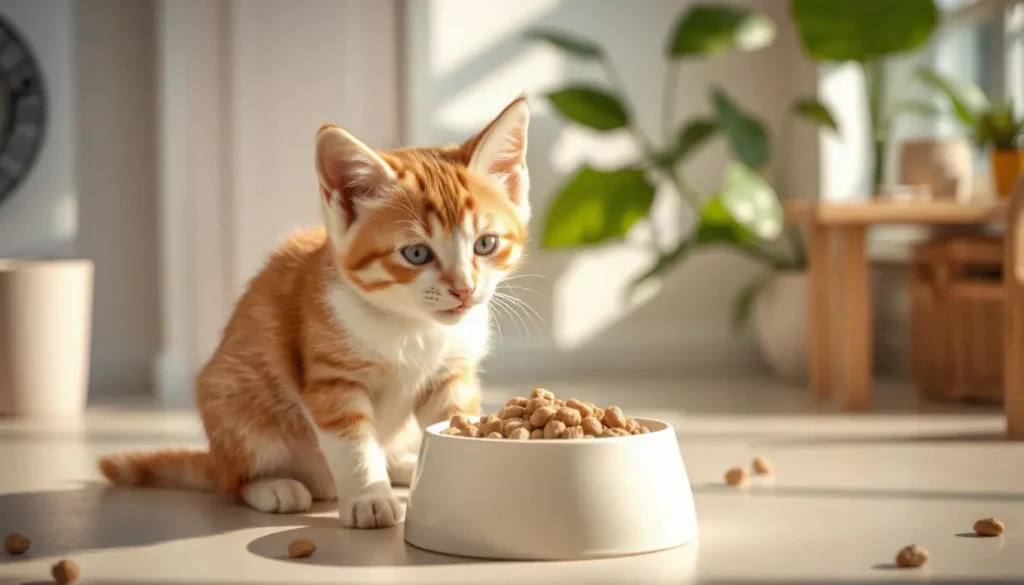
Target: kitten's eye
(418, 254)
(485, 245)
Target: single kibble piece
(911, 556)
(520, 434)
(737, 476)
(459, 421)
(537, 434)
(554, 429)
(559, 402)
(511, 412)
(631, 425)
(16, 544)
(486, 419)
(495, 435)
(542, 393)
(580, 407)
(492, 426)
(989, 527)
(301, 548)
(591, 426)
(541, 416)
(517, 401)
(598, 412)
(534, 403)
(65, 571)
(762, 466)
(452, 431)
(643, 430)
(511, 424)
(471, 431)
(573, 432)
(569, 416)
(610, 432)
(614, 418)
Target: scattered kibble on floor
(301, 548)
(989, 527)
(66, 571)
(762, 466)
(911, 556)
(737, 476)
(16, 544)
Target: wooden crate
(957, 318)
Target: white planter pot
(780, 322)
(45, 334)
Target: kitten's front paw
(370, 511)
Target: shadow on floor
(859, 493)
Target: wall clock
(22, 109)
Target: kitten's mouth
(458, 310)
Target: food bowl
(550, 499)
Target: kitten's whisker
(505, 308)
(511, 306)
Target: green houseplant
(992, 125)
(868, 32)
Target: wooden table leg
(856, 323)
(1013, 332)
(819, 350)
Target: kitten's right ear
(348, 169)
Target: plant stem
(646, 144)
(874, 81)
(668, 100)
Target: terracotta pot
(45, 333)
(1007, 165)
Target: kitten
(355, 336)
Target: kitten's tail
(167, 468)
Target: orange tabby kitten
(354, 337)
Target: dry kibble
(591, 426)
(643, 430)
(573, 432)
(554, 429)
(520, 434)
(762, 466)
(495, 435)
(511, 412)
(471, 431)
(65, 571)
(542, 415)
(631, 425)
(486, 419)
(610, 432)
(16, 544)
(989, 527)
(452, 431)
(510, 424)
(614, 418)
(598, 412)
(301, 548)
(912, 556)
(542, 393)
(517, 401)
(580, 407)
(737, 476)
(537, 434)
(534, 403)
(460, 421)
(559, 402)
(569, 416)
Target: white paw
(401, 469)
(277, 496)
(371, 511)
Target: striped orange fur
(347, 342)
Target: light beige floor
(849, 492)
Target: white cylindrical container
(45, 336)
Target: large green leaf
(596, 206)
(751, 201)
(717, 226)
(591, 107)
(816, 112)
(690, 138)
(665, 262)
(706, 29)
(862, 30)
(967, 99)
(574, 45)
(746, 133)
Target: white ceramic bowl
(550, 499)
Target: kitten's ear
(349, 171)
(500, 152)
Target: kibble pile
(542, 416)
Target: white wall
(465, 60)
(93, 191)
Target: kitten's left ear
(499, 152)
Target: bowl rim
(436, 428)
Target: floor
(849, 492)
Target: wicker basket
(956, 318)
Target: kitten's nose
(462, 293)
